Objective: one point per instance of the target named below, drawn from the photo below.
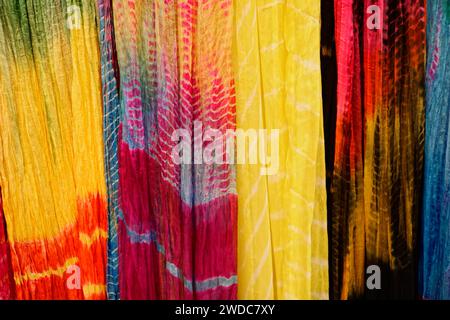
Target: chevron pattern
(377, 176)
(176, 223)
(111, 121)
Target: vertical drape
(347, 217)
(435, 257)
(176, 222)
(51, 168)
(111, 121)
(377, 179)
(282, 251)
(99, 98)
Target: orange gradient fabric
(51, 149)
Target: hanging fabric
(435, 257)
(175, 222)
(282, 251)
(51, 166)
(377, 178)
(111, 121)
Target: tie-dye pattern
(111, 121)
(377, 177)
(435, 256)
(140, 226)
(176, 223)
(51, 168)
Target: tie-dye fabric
(51, 168)
(377, 178)
(435, 258)
(176, 223)
(111, 120)
(6, 277)
(282, 213)
(115, 172)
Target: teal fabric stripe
(435, 253)
(111, 118)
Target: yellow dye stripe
(91, 289)
(59, 271)
(96, 235)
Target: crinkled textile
(377, 178)
(51, 156)
(175, 222)
(283, 246)
(435, 256)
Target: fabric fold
(282, 246)
(176, 221)
(435, 253)
(378, 170)
(51, 168)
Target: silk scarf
(172, 224)
(51, 166)
(377, 176)
(435, 257)
(282, 247)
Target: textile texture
(282, 251)
(377, 178)
(435, 253)
(51, 157)
(6, 277)
(176, 222)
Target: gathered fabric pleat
(51, 157)
(435, 253)
(175, 222)
(377, 176)
(282, 242)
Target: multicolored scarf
(51, 166)
(176, 222)
(377, 177)
(435, 256)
